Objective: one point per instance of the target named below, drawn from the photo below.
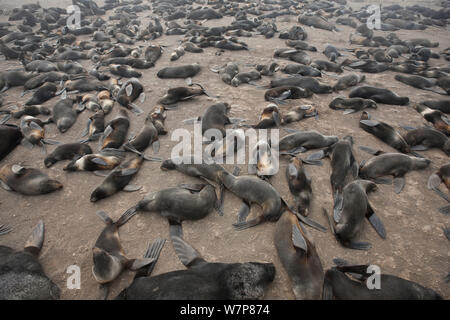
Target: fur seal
(245, 77)
(215, 117)
(316, 22)
(351, 105)
(67, 151)
(436, 117)
(95, 126)
(178, 94)
(384, 132)
(298, 113)
(11, 79)
(302, 70)
(33, 132)
(184, 71)
(303, 82)
(395, 164)
(349, 219)
(337, 285)
(378, 95)
(323, 65)
(129, 92)
(26, 110)
(118, 179)
(158, 116)
(63, 114)
(301, 141)
(227, 72)
(299, 185)
(108, 254)
(11, 137)
(299, 258)
(418, 82)
(93, 162)
(27, 181)
(124, 71)
(147, 136)
(442, 175)
(279, 94)
(441, 105)
(425, 138)
(116, 131)
(202, 280)
(43, 94)
(347, 81)
(21, 275)
(153, 53)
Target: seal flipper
(131, 188)
(358, 245)
(104, 291)
(338, 205)
(447, 232)
(370, 150)
(36, 239)
(18, 170)
(104, 216)
(419, 147)
(5, 186)
(399, 184)
(309, 222)
(101, 173)
(194, 187)
(4, 229)
(125, 217)
(248, 224)
(186, 253)
(243, 211)
(99, 161)
(370, 123)
(297, 239)
(317, 156)
(383, 180)
(434, 181)
(327, 290)
(153, 251)
(375, 222)
(360, 270)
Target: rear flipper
(399, 184)
(445, 210)
(4, 229)
(135, 109)
(298, 240)
(153, 252)
(243, 211)
(127, 215)
(36, 239)
(186, 253)
(175, 229)
(310, 222)
(194, 187)
(316, 156)
(338, 205)
(249, 224)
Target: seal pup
(245, 77)
(343, 165)
(178, 94)
(184, 202)
(11, 137)
(33, 133)
(442, 175)
(153, 53)
(21, 275)
(439, 120)
(350, 217)
(27, 181)
(215, 117)
(302, 70)
(422, 139)
(419, 82)
(352, 105)
(11, 79)
(303, 82)
(299, 258)
(299, 184)
(109, 257)
(384, 132)
(158, 116)
(119, 179)
(279, 94)
(124, 71)
(183, 71)
(43, 94)
(441, 105)
(64, 115)
(131, 90)
(115, 132)
(227, 72)
(147, 136)
(378, 95)
(107, 160)
(347, 81)
(298, 113)
(395, 164)
(301, 141)
(95, 126)
(337, 285)
(68, 151)
(202, 280)
(15, 113)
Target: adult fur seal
(68, 151)
(337, 285)
(351, 105)
(21, 275)
(425, 138)
(118, 179)
(178, 94)
(215, 117)
(108, 254)
(27, 181)
(184, 71)
(202, 280)
(378, 95)
(395, 164)
(418, 82)
(350, 217)
(299, 258)
(11, 137)
(441, 105)
(44, 93)
(347, 81)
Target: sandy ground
(415, 247)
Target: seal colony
(203, 58)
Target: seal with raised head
(380, 95)
(439, 120)
(146, 137)
(21, 275)
(27, 181)
(299, 258)
(349, 219)
(337, 285)
(202, 280)
(68, 151)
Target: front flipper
(349, 111)
(297, 150)
(370, 150)
(5, 186)
(382, 180)
(434, 181)
(99, 161)
(175, 227)
(310, 222)
(132, 188)
(399, 184)
(137, 264)
(419, 147)
(248, 224)
(327, 291)
(155, 146)
(36, 239)
(243, 211)
(298, 240)
(360, 270)
(4, 229)
(375, 222)
(316, 156)
(101, 173)
(370, 123)
(186, 253)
